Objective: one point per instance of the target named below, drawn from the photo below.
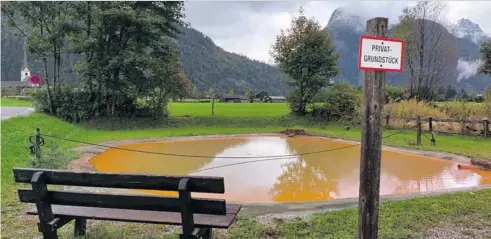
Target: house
(233, 99)
(275, 99)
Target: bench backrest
(40, 178)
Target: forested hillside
(207, 65)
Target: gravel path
(8, 112)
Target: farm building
(275, 99)
(233, 99)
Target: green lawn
(235, 110)
(407, 219)
(15, 102)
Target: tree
(231, 92)
(450, 93)
(429, 49)
(305, 53)
(129, 53)
(261, 95)
(195, 92)
(463, 94)
(48, 24)
(485, 50)
(210, 92)
(250, 95)
(126, 48)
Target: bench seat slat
(200, 184)
(121, 201)
(155, 217)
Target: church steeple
(24, 64)
(24, 71)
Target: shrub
(74, 105)
(70, 104)
(413, 108)
(10, 91)
(340, 101)
(294, 102)
(394, 93)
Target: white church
(25, 73)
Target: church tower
(25, 73)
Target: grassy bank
(406, 219)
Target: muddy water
(313, 177)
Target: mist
(467, 69)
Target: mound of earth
(294, 132)
(486, 164)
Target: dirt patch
(82, 164)
(485, 164)
(460, 231)
(294, 132)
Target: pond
(311, 177)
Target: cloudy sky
(249, 28)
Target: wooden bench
(56, 208)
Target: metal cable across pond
(278, 158)
(263, 158)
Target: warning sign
(380, 54)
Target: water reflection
(312, 177)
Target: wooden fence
(466, 125)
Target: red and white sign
(35, 79)
(380, 54)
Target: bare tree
(430, 49)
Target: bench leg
(80, 226)
(207, 234)
(48, 231)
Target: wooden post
(430, 123)
(38, 146)
(387, 119)
(213, 105)
(462, 127)
(486, 128)
(430, 126)
(371, 141)
(418, 135)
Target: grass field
(242, 110)
(15, 102)
(407, 219)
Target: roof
(277, 97)
(14, 83)
(234, 97)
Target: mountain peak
(469, 30)
(344, 18)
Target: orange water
(312, 177)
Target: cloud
(249, 28)
(467, 69)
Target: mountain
(345, 29)
(206, 64)
(468, 30)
